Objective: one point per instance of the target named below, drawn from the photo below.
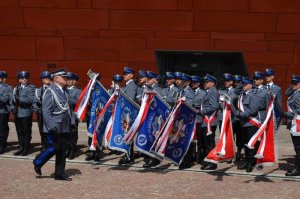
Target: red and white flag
(160, 143)
(265, 134)
(224, 149)
(138, 122)
(81, 106)
(94, 144)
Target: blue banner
(99, 98)
(125, 113)
(181, 135)
(155, 119)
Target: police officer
(11, 106)
(229, 90)
(262, 92)
(74, 93)
(249, 104)
(130, 88)
(45, 78)
(188, 94)
(142, 80)
(152, 85)
(199, 95)
(186, 91)
(23, 99)
(293, 111)
(5, 96)
(209, 111)
(171, 91)
(58, 118)
(275, 90)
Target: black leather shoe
(238, 156)
(37, 170)
(294, 172)
(125, 160)
(62, 177)
(242, 166)
(71, 155)
(24, 152)
(185, 165)
(2, 150)
(249, 168)
(18, 152)
(209, 167)
(151, 163)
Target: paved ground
(106, 179)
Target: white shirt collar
(171, 86)
(270, 84)
(59, 87)
(260, 86)
(69, 88)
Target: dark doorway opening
(201, 62)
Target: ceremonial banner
(99, 99)
(156, 114)
(125, 112)
(266, 152)
(81, 106)
(224, 149)
(176, 136)
(103, 122)
(146, 100)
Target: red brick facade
(108, 34)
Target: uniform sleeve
(295, 108)
(5, 95)
(29, 98)
(190, 97)
(131, 91)
(48, 107)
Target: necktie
(268, 87)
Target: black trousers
(239, 138)
(24, 131)
(43, 135)
(296, 143)
(248, 133)
(73, 137)
(205, 142)
(57, 147)
(4, 129)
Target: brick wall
(106, 35)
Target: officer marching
(5, 97)
(152, 85)
(199, 95)
(74, 93)
(293, 117)
(23, 100)
(130, 90)
(188, 94)
(45, 78)
(58, 118)
(209, 111)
